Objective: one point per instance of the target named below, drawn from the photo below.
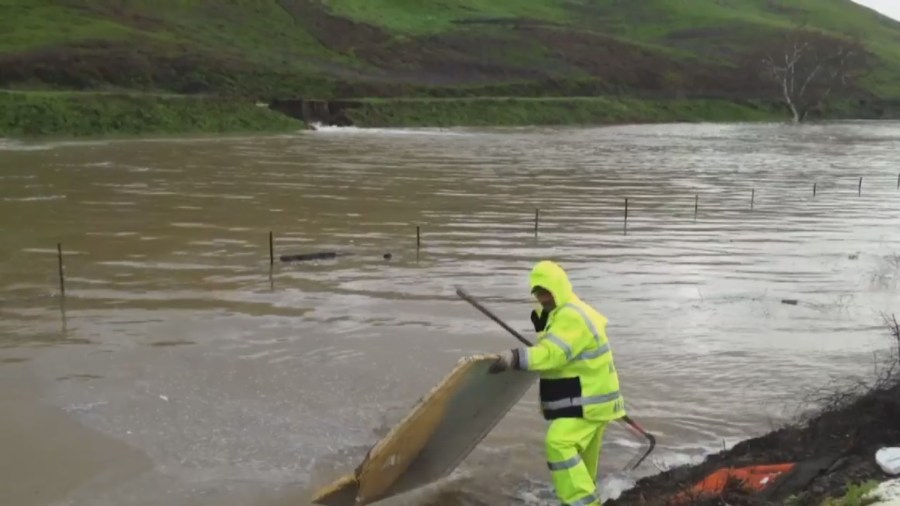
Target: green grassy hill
(637, 60)
(326, 48)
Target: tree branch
(807, 67)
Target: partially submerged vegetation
(841, 439)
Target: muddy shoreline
(50, 455)
(835, 447)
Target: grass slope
(369, 47)
(89, 114)
(550, 111)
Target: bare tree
(807, 66)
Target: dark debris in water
(323, 255)
(166, 344)
(305, 257)
(13, 360)
(82, 377)
(77, 340)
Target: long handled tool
(626, 419)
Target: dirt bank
(837, 445)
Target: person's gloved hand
(540, 322)
(508, 360)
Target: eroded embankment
(833, 449)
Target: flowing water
(178, 369)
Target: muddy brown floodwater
(179, 371)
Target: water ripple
(172, 246)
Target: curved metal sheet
(439, 432)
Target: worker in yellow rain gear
(579, 387)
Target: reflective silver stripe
(523, 358)
(565, 464)
(587, 320)
(562, 344)
(591, 499)
(580, 401)
(599, 352)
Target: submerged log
(319, 255)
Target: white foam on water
(84, 407)
(331, 129)
(612, 486)
(7, 144)
(38, 198)
(51, 251)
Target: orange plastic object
(752, 478)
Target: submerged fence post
(625, 225)
(814, 189)
(62, 280)
(418, 242)
(271, 249)
(537, 215)
(752, 197)
(898, 181)
(696, 205)
(859, 190)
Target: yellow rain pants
(573, 454)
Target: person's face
(545, 298)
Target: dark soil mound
(845, 435)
